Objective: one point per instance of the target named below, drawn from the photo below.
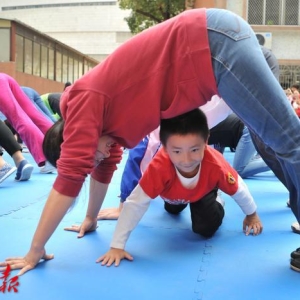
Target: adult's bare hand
(88, 225)
(26, 263)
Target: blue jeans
(38, 102)
(250, 89)
(245, 160)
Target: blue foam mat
(170, 261)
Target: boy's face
(186, 152)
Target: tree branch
(148, 15)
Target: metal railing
(273, 12)
(289, 75)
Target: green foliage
(146, 13)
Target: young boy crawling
(185, 171)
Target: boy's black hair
(192, 122)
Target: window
(80, 68)
(76, 68)
(43, 57)
(289, 75)
(5, 44)
(292, 10)
(36, 59)
(44, 62)
(65, 62)
(273, 12)
(28, 56)
(70, 69)
(51, 64)
(20, 53)
(58, 65)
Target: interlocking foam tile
(170, 261)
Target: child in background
(185, 171)
(26, 120)
(296, 102)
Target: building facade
(96, 28)
(36, 60)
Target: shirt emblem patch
(230, 178)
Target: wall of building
(98, 30)
(284, 40)
(94, 30)
(41, 85)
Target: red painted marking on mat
(8, 284)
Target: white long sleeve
(244, 199)
(133, 210)
(216, 110)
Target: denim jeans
(245, 160)
(2, 117)
(249, 88)
(38, 102)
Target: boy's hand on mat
(114, 255)
(25, 263)
(252, 223)
(88, 225)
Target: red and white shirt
(161, 179)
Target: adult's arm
(55, 209)
(97, 194)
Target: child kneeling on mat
(185, 171)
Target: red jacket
(160, 73)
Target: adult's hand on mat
(252, 223)
(109, 213)
(114, 255)
(26, 263)
(88, 225)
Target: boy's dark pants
(206, 214)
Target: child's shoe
(296, 254)
(295, 264)
(24, 171)
(296, 227)
(47, 168)
(24, 148)
(6, 171)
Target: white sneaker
(296, 227)
(6, 171)
(24, 148)
(47, 168)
